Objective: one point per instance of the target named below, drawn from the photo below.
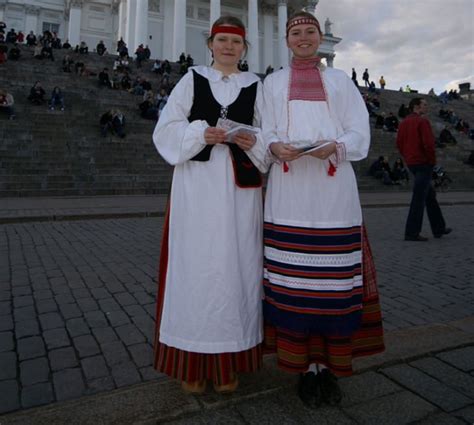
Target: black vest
(206, 108)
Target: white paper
(306, 146)
(232, 128)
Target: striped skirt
(187, 366)
(329, 327)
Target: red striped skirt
(296, 351)
(188, 366)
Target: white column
(2, 12)
(31, 20)
(179, 29)
(122, 18)
(74, 30)
(282, 48)
(267, 41)
(141, 24)
(215, 14)
(253, 56)
(167, 39)
(130, 26)
(215, 11)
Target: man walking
(416, 143)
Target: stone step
(46, 153)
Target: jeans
(423, 194)
(56, 100)
(9, 110)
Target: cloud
(424, 43)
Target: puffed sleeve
(176, 139)
(354, 119)
(259, 154)
(266, 114)
(269, 124)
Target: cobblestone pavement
(77, 307)
(423, 282)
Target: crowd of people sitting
(161, 67)
(395, 175)
(121, 78)
(185, 62)
(372, 104)
(37, 97)
(446, 96)
(152, 105)
(112, 121)
(382, 120)
(387, 122)
(456, 122)
(142, 54)
(43, 45)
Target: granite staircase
(55, 153)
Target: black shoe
(417, 238)
(309, 389)
(447, 231)
(330, 391)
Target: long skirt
(296, 351)
(188, 366)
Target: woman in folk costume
(321, 306)
(209, 312)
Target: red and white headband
(299, 20)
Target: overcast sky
(423, 43)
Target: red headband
(228, 29)
(302, 20)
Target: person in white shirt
(209, 318)
(321, 304)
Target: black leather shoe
(330, 391)
(447, 231)
(417, 238)
(309, 389)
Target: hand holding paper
(234, 128)
(244, 141)
(213, 135)
(324, 151)
(284, 151)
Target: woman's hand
(325, 152)
(213, 135)
(244, 141)
(284, 151)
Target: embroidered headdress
(306, 19)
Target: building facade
(168, 27)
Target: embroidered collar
(306, 82)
